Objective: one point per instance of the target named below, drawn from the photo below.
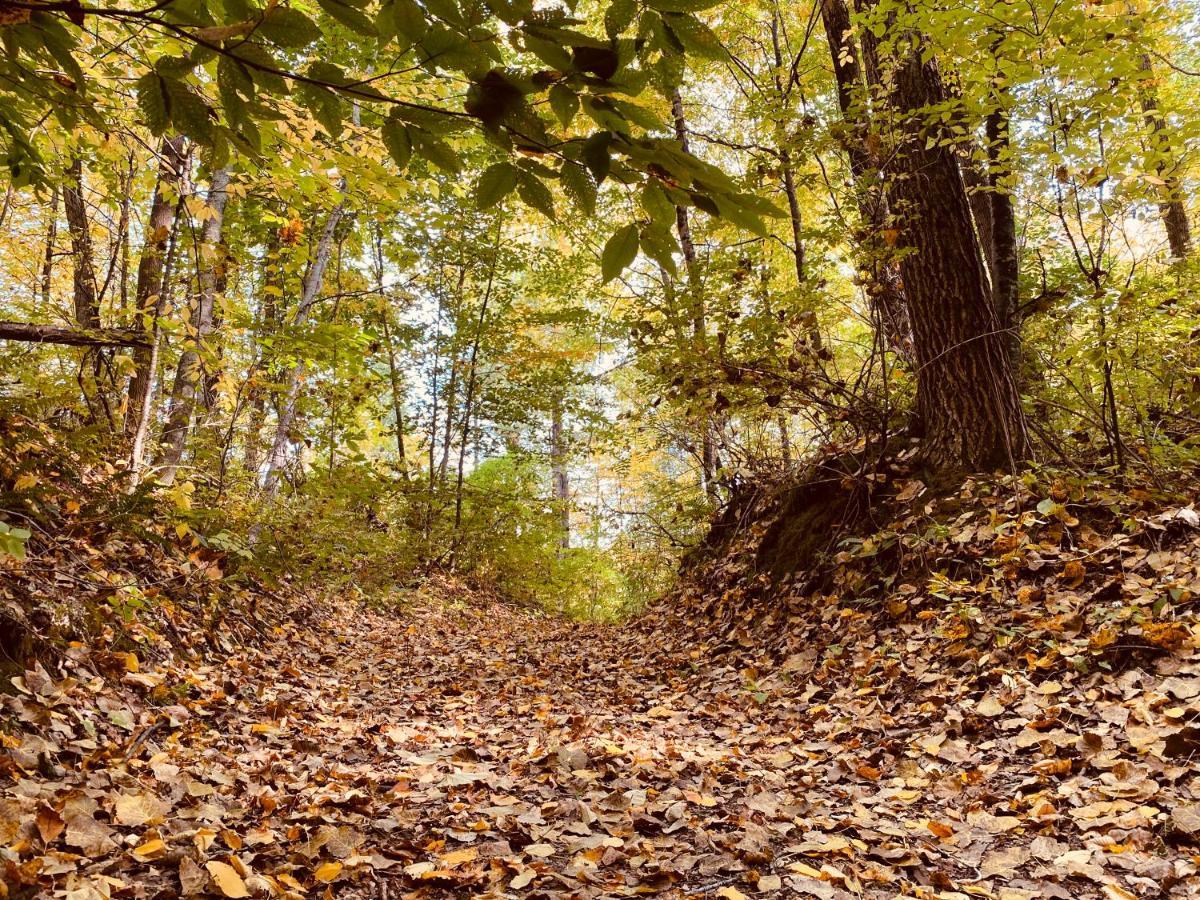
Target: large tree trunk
(187, 372)
(148, 298)
(884, 287)
(967, 398)
(310, 293)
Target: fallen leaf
(226, 879)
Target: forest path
(454, 749)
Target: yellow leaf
(25, 482)
(226, 879)
(731, 893)
(151, 849)
(328, 871)
(458, 857)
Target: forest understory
(599, 448)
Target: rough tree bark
(1171, 208)
(148, 296)
(310, 293)
(48, 256)
(967, 399)
(884, 287)
(187, 372)
(51, 334)
(87, 306)
(1006, 266)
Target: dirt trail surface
(454, 749)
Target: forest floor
(459, 746)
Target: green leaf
(398, 142)
(620, 15)
(287, 27)
(348, 16)
(682, 6)
(620, 250)
(535, 193)
(435, 150)
(579, 187)
(659, 244)
(189, 113)
(496, 183)
(694, 35)
(595, 154)
(153, 102)
(564, 102)
(656, 203)
(407, 19)
(550, 53)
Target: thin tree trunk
(188, 370)
(48, 258)
(397, 396)
(558, 472)
(1006, 269)
(87, 311)
(393, 369)
(268, 324)
(448, 427)
(309, 294)
(146, 412)
(785, 158)
(696, 302)
(967, 398)
(1172, 208)
(469, 400)
(884, 286)
(148, 298)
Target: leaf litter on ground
(1020, 723)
